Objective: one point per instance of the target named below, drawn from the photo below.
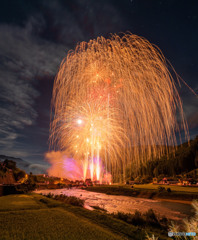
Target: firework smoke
(63, 166)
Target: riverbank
(33, 216)
(150, 191)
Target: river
(112, 203)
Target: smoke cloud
(62, 165)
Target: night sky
(36, 35)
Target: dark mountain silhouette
(25, 165)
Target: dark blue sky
(36, 35)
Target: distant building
(189, 181)
(88, 182)
(96, 182)
(155, 180)
(169, 181)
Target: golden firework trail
(115, 103)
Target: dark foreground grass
(53, 223)
(34, 216)
(45, 219)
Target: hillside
(35, 168)
(184, 161)
(9, 173)
(22, 164)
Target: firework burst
(115, 102)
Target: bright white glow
(79, 121)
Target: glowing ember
(126, 99)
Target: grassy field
(173, 188)
(34, 216)
(149, 191)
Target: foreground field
(34, 216)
